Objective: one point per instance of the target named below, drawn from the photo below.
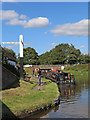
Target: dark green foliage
(4, 60)
(63, 54)
(30, 56)
(4, 54)
(87, 58)
(24, 73)
(58, 55)
(73, 55)
(11, 52)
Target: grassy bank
(26, 98)
(80, 71)
(80, 67)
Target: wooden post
(21, 56)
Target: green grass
(28, 71)
(79, 71)
(80, 67)
(25, 98)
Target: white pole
(21, 56)
(21, 45)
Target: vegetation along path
(26, 98)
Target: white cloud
(72, 29)
(45, 32)
(53, 44)
(32, 23)
(15, 19)
(37, 22)
(8, 14)
(23, 17)
(82, 46)
(16, 22)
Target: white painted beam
(10, 42)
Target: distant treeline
(61, 54)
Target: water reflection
(67, 91)
(56, 108)
(73, 103)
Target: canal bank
(25, 99)
(79, 71)
(73, 102)
(74, 99)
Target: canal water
(73, 103)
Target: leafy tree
(63, 54)
(4, 60)
(4, 54)
(30, 56)
(87, 58)
(11, 52)
(55, 56)
(73, 55)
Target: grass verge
(25, 98)
(79, 71)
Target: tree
(4, 60)
(30, 56)
(57, 55)
(11, 52)
(87, 58)
(73, 55)
(63, 54)
(6, 51)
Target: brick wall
(52, 67)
